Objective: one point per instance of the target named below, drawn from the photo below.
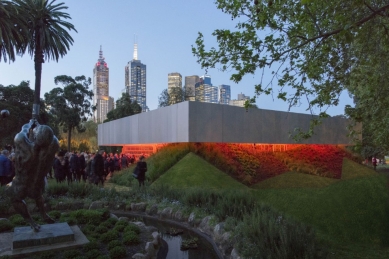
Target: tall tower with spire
(135, 80)
(101, 98)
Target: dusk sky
(165, 32)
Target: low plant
(92, 254)
(132, 228)
(101, 229)
(55, 214)
(6, 225)
(114, 243)
(55, 189)
(70, 254)
(109, 236)
(91, 246)
(117, 252)
(130, 238)
(17, 220)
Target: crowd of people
(70, 167)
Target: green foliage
(92, 254)
(173, 95)
(165, 158)
(130, 238)
(112, 221)
(265, 233)
(71, 104)
(80, 189)
(55, 214)
(55, 189)
(132, 228)
(91, 246)
(93, 217)
(47, 255)
(17, 220)
(101, 229)
(124, 107)
(6, 225)
(109, 236)
(70, 254)
(117, 252)
(114, 243)
(124, 177)
(313, 50)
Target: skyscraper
(101, 89)
(135, 80)
(205, 92)
(190, 83)
(240, 101)
(224, 94)
(174, 83)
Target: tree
(124, 107)
(71, 104)
(313, 50)
(47, 35)
(172, 96)
(17, 99)
(83, 141)
(12, 31)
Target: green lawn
(349, 214)
(193, 171)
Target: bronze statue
(35, 148)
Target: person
(74, 165)
(5, 168)
(61, 167)
(97, 168)
(142, 169)
(124, 161)
(374, 161)
(81, 167)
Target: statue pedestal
(49, 234)
(51, 237)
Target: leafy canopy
(124, 107)
(312, 50)
(71, 104)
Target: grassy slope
(351, 213)
(193, 171)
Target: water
(171, 248)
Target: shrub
(92, 254)
(101, 229)
(55, 214)
(121, 223)
(133, 228)
(107, 224)
(117, 252)
(70, 254)
(119, 228)
(93, 217)
(266, 234)
(112, 221)
(57, 189)
(91, 246)
(17, 220)
(80, 190)
(130, 238)
(109, 236)
(47, 255)
(6, 225)
(114, 243)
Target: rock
(139, 224)
(113, 216)
(62, 206)
(96, 205)
(153, 210)
(205, 225)
(192, 219)
(225, 243)
(179, 216)
(218, 231)
(166, 213)
(156, 239)
(120, 206)
(128, 207)
(141, 206)
(138, 256)
(151, 229)
(124, 219)
(234, 254)
(150, 250)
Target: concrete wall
(206, 122)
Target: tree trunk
(69, 138)
(38, 60)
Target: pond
(171, 244)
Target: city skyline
(164, 45)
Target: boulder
(96, 205)
(141, 206)
(153, 210)
(138, 256)
(166, 213)
(234, 254)
(205, 225)
(124, 219)
(113, 216)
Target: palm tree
(48, 36)
(12, 31)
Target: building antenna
(135, 48)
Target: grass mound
(193, 171)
